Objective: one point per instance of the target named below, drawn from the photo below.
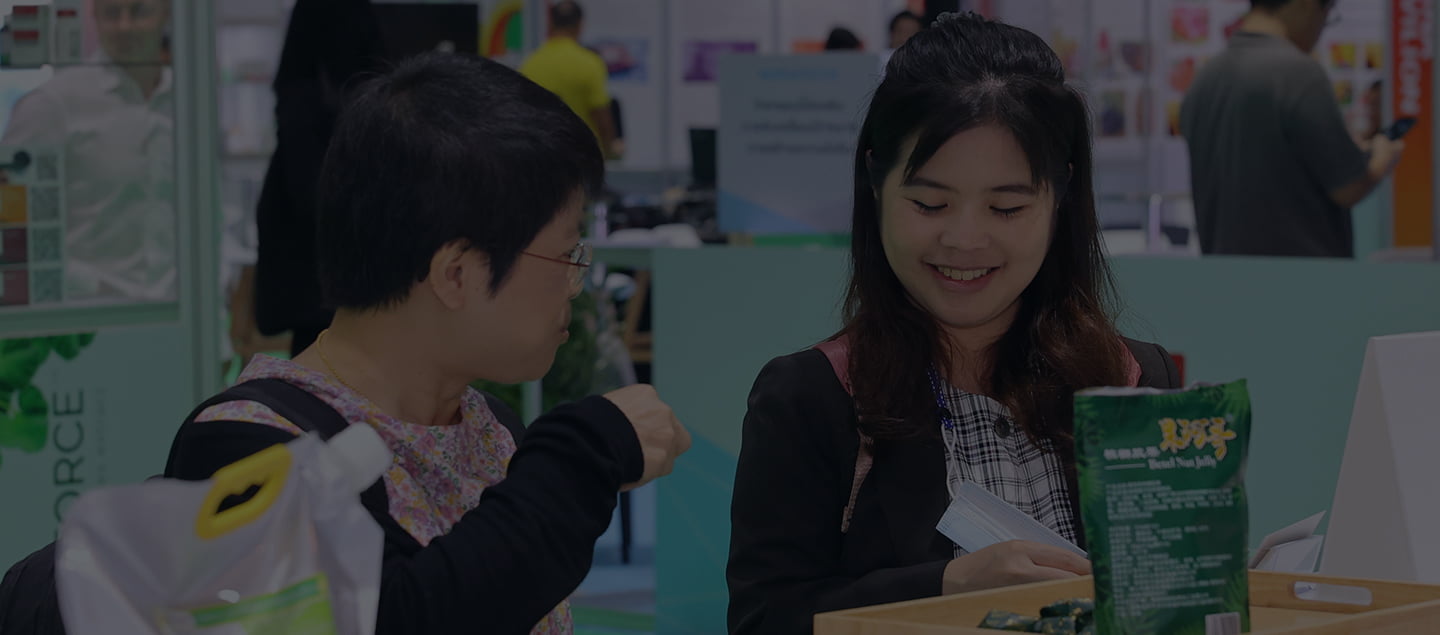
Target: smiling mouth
(963, 275)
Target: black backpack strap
(297, 405)
(311, 414)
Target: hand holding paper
(1011, 563)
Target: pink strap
(837, 351)
(863, 461)
(1132, 367)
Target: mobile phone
(1400, 127)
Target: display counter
(1279, 603)
(1296, 329)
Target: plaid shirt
(985, 447)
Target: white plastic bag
(301, 556)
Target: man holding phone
(1273, 169)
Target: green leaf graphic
(26, 433)
(24, 412)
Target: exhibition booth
(722, 235)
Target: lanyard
(946, 420)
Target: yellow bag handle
(269, 468)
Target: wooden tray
(1279, 603)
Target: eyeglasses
(579, 258)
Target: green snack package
(1162, 498)
(1069, 608)
(1007, 621)
(1055, 626)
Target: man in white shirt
(114, 117)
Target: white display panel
(1385, 517)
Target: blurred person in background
(329, 45)
(576, 74)
(842, 39)
(114, 120)
(902, 27)
(1274, 168)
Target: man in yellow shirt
(574, 73)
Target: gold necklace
(320, 348)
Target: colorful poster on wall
(1345, 93)
(626, 59)
(32, 226)
(1114, 114)
(1121, 49)
(1172, 118)
(502, 36)
(1190, 22)
(1352, 50)
(74, 414)
(1412, 91)
(1182, 74)
(1119, 61)
(691, 93)
(1061, 22)
(1136, 57)
(1067, 47)
(1374, 55)
(702, 58)
(1191, 32)
(1343, 56)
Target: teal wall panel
(1296, 329)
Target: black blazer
(788, 557)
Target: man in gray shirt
(1273, 169)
